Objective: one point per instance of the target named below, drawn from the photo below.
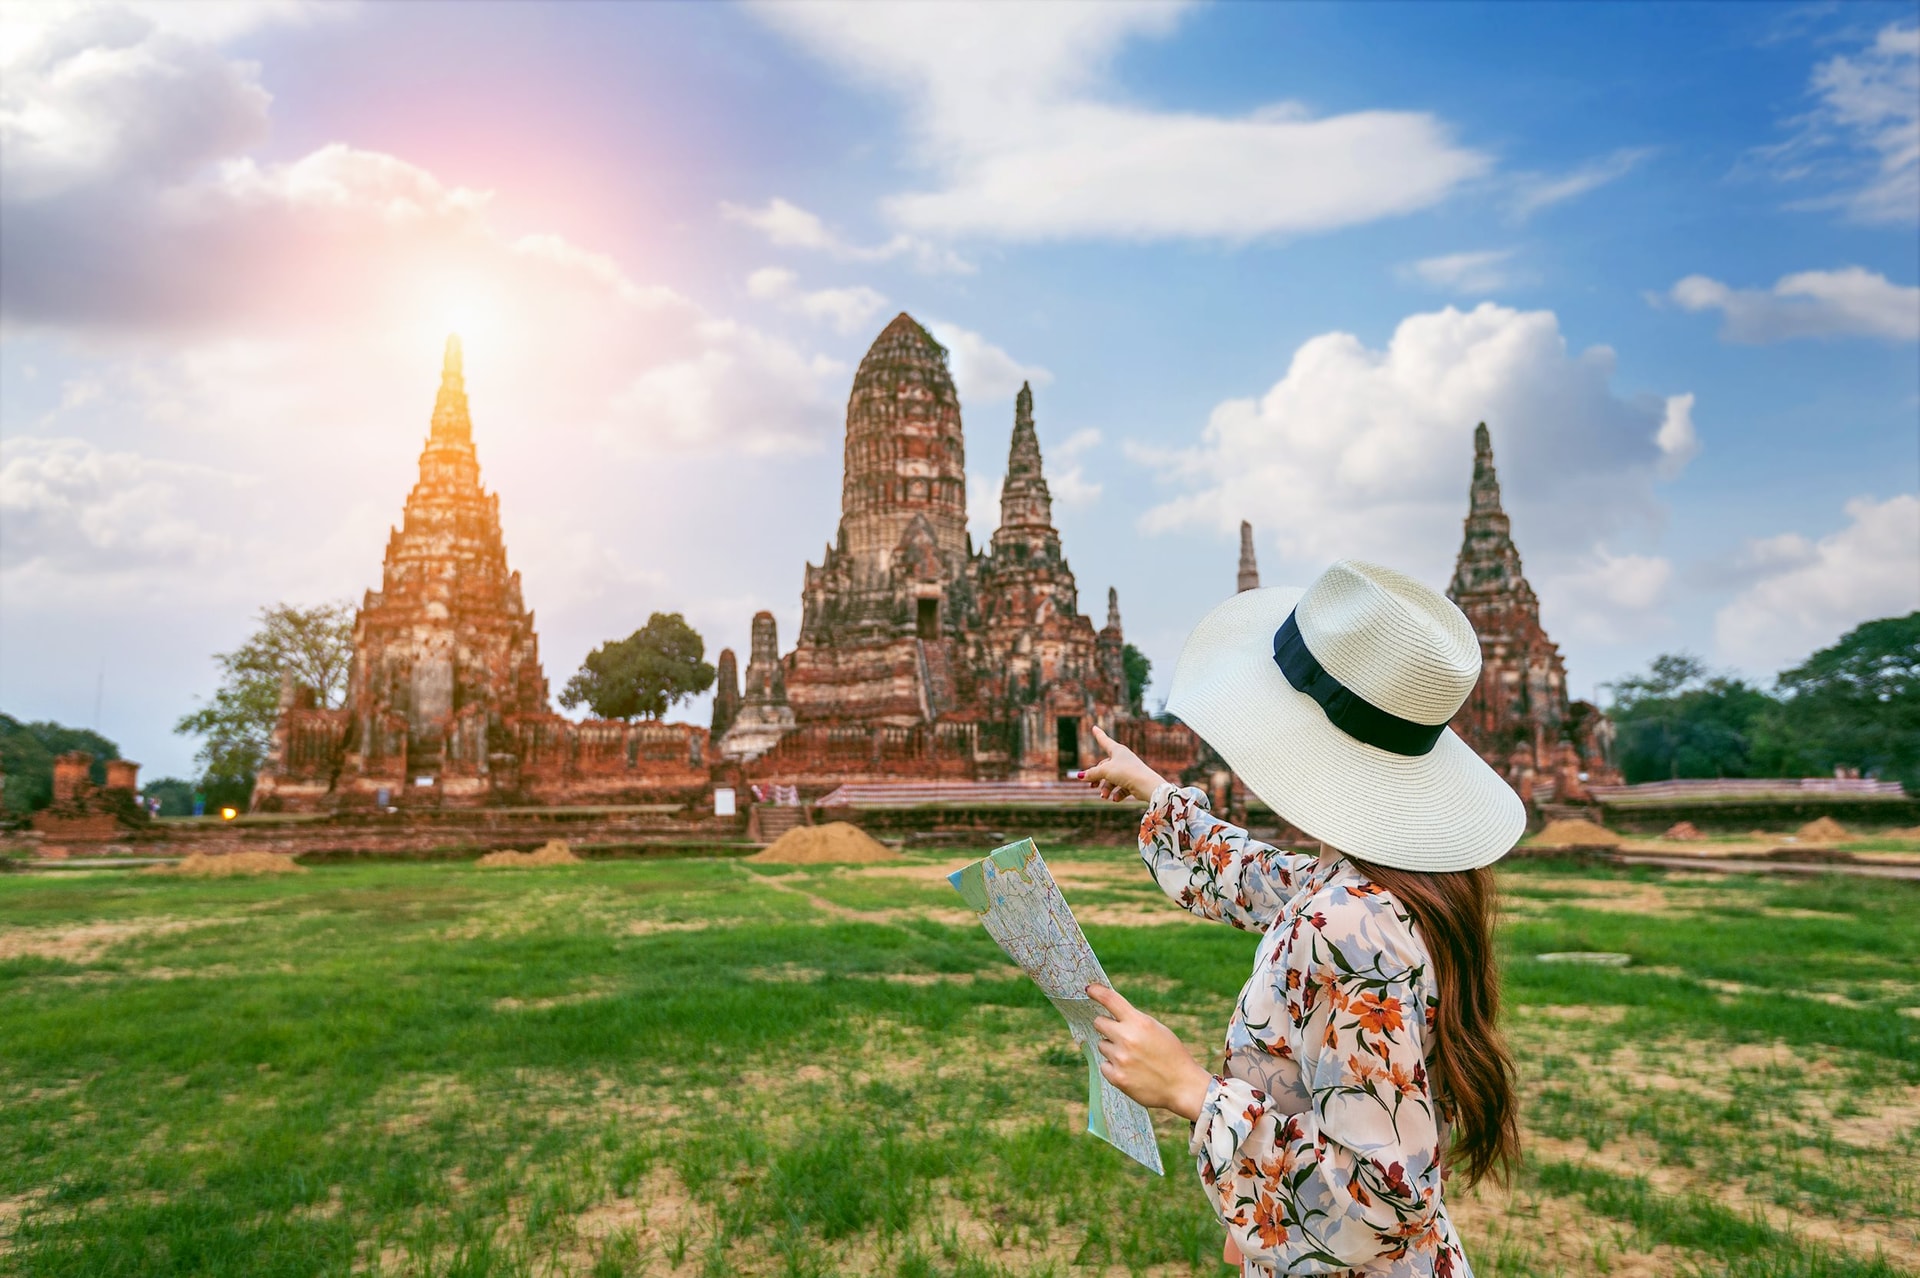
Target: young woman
(1363, 1066)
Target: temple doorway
(1067, 738)
(927, 624)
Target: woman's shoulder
(1350, 909)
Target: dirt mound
(552, 852)
(1684, 831)
(1910, 832)
(198, 865)
(1822, 830)
(1576, 834)
(834, 841)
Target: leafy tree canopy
(27, 751)
(1139, 669)
(643, 675)
(313, 646)
(1853, 705)
(1679, 719)
(175, 795)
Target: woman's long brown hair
(1467, 1058)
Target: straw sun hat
(1331, 704)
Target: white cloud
(847, 310)
(1607, 598)
(1066, 469)
(106, 94)
(983, 504)
(132, 210)
(1676, 439)
(787, 225)
(69, 508)
(740, 389)
(1812, 592)
(1540, 191)
(1482, 271)
(1009, 107)
(1862, 137)
(987, 377)
(1367, 452)
(1850, 302)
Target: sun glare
(468, 308)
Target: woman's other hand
(1145, 1059)
(1121, 775)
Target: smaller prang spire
(1486, 484)
(1113, 609)
(1249, 568)
(450, 419)
(1489, 564)
(1024, 499)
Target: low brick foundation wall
(1735, 815)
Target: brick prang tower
(1519, 718)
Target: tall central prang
(917, 656)
(895, 582)
(906, 461)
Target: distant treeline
(1854, 706)
(27, 751)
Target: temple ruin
(918, 656)
(446, 701)
(1519, 717)
(83, 810)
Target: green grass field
(708, 1067)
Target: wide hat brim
(1443, 810)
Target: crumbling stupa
(446, 700)
(1519, 717)
(919, 657)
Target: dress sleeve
(1356, 1178)
(1214, 869)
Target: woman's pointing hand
(1121, 775)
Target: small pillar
(70, 776)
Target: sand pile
(834, 841)
(1576, 834)
(1910, 832)
(1684, 831)
(1823, 830)
(198, 865)
(552, 852)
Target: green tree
(313, 646)
(27, 752)
(643, 675)
(175, 795)
(1680, 719)
(1139, 670)
(1855, 705)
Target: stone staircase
(771, 820)
(936, 675)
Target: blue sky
(1264, 262)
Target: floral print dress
(1318, 1142)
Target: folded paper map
(1021, 907)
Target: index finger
(1100, 735)
(1109, 999)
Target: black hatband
(1346, 709)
